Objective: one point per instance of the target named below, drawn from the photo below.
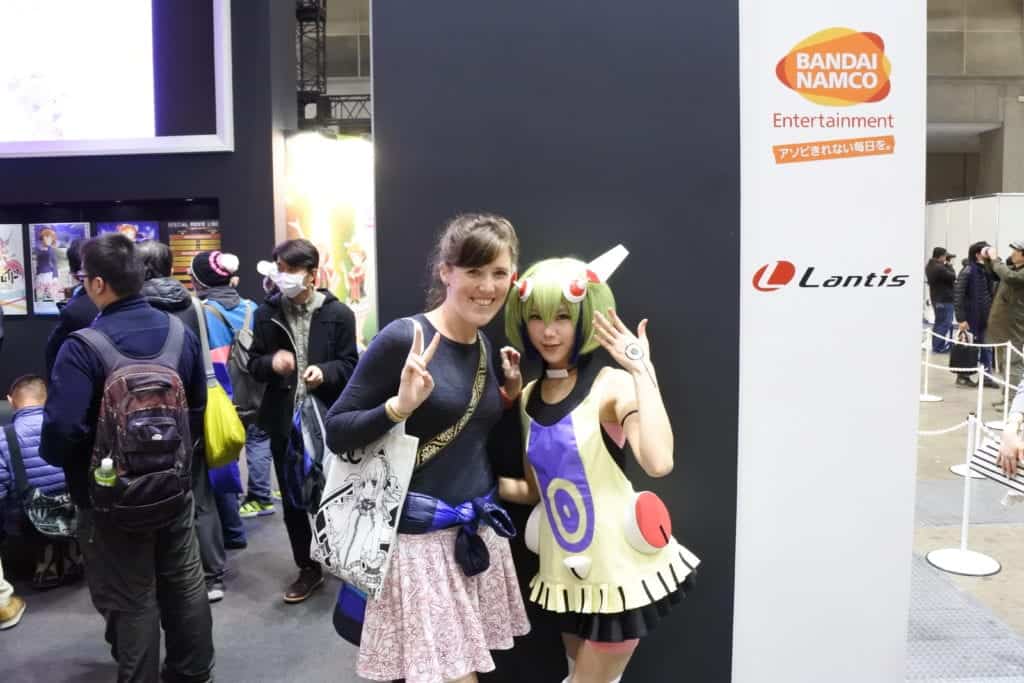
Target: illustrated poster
(329, 201)
(52, 279)
(12, 270)
(137, 231)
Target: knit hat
(213, 268)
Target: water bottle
(105, 474)
(105, 478)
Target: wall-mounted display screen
(114, 77)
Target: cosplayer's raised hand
(510, 368)
(632, 352)
(416, 383)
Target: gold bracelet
(393, 413)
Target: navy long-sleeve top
(462, 470)
(76, 386)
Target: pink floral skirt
(432, 623)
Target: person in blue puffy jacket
(57, 562)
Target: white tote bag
(354, 528)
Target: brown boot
(310, 578)
(10, 614)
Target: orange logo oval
(838, 67)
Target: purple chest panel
(555, 457)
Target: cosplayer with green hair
(548, 281)
(609, 566)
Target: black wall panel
(240, 182)
(588, 124)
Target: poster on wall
(329, 201)
(137, 231)
(12, 270)
(52, 279)
(188, 238)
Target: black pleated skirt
(627, 625)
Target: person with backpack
(304, 344)
(128, 398)
(229, 320)
(166, 293)
(23, 469)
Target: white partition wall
(1011, 220)
(984, 219)
(957, 223)
(935, 228)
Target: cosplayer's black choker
(557, 373)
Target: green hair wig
(548, 280)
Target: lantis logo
(774, 276)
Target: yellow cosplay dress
(608, 562)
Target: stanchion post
(979, 408)
(925, 396)
(972, 432)
(1006, 381)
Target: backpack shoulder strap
(103, 347)
(171, 351)
(215, 309)
(204, 340)
(17, 463)
(247, 323)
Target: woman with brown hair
(450, 594)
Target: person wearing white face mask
(304, 343)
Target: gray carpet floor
(952, 638)
(257, 636)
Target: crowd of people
(987, 298)
(118, 425)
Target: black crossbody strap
(431, 448)
(17, 463)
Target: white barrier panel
(832, 185)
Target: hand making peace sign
(416, 383)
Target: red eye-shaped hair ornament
(524, 288)
(575, 290)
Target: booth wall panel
(581, 122)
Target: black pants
(208, 527)
(140, 582)
(296, 521)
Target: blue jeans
(230, 520)
(943, 324)
(259, 461)
(985, 356)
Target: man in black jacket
(304, 343)
(941, 278)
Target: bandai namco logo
(838, 67)
(774, 276)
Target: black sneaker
(310, 578)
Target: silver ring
(633, 351)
